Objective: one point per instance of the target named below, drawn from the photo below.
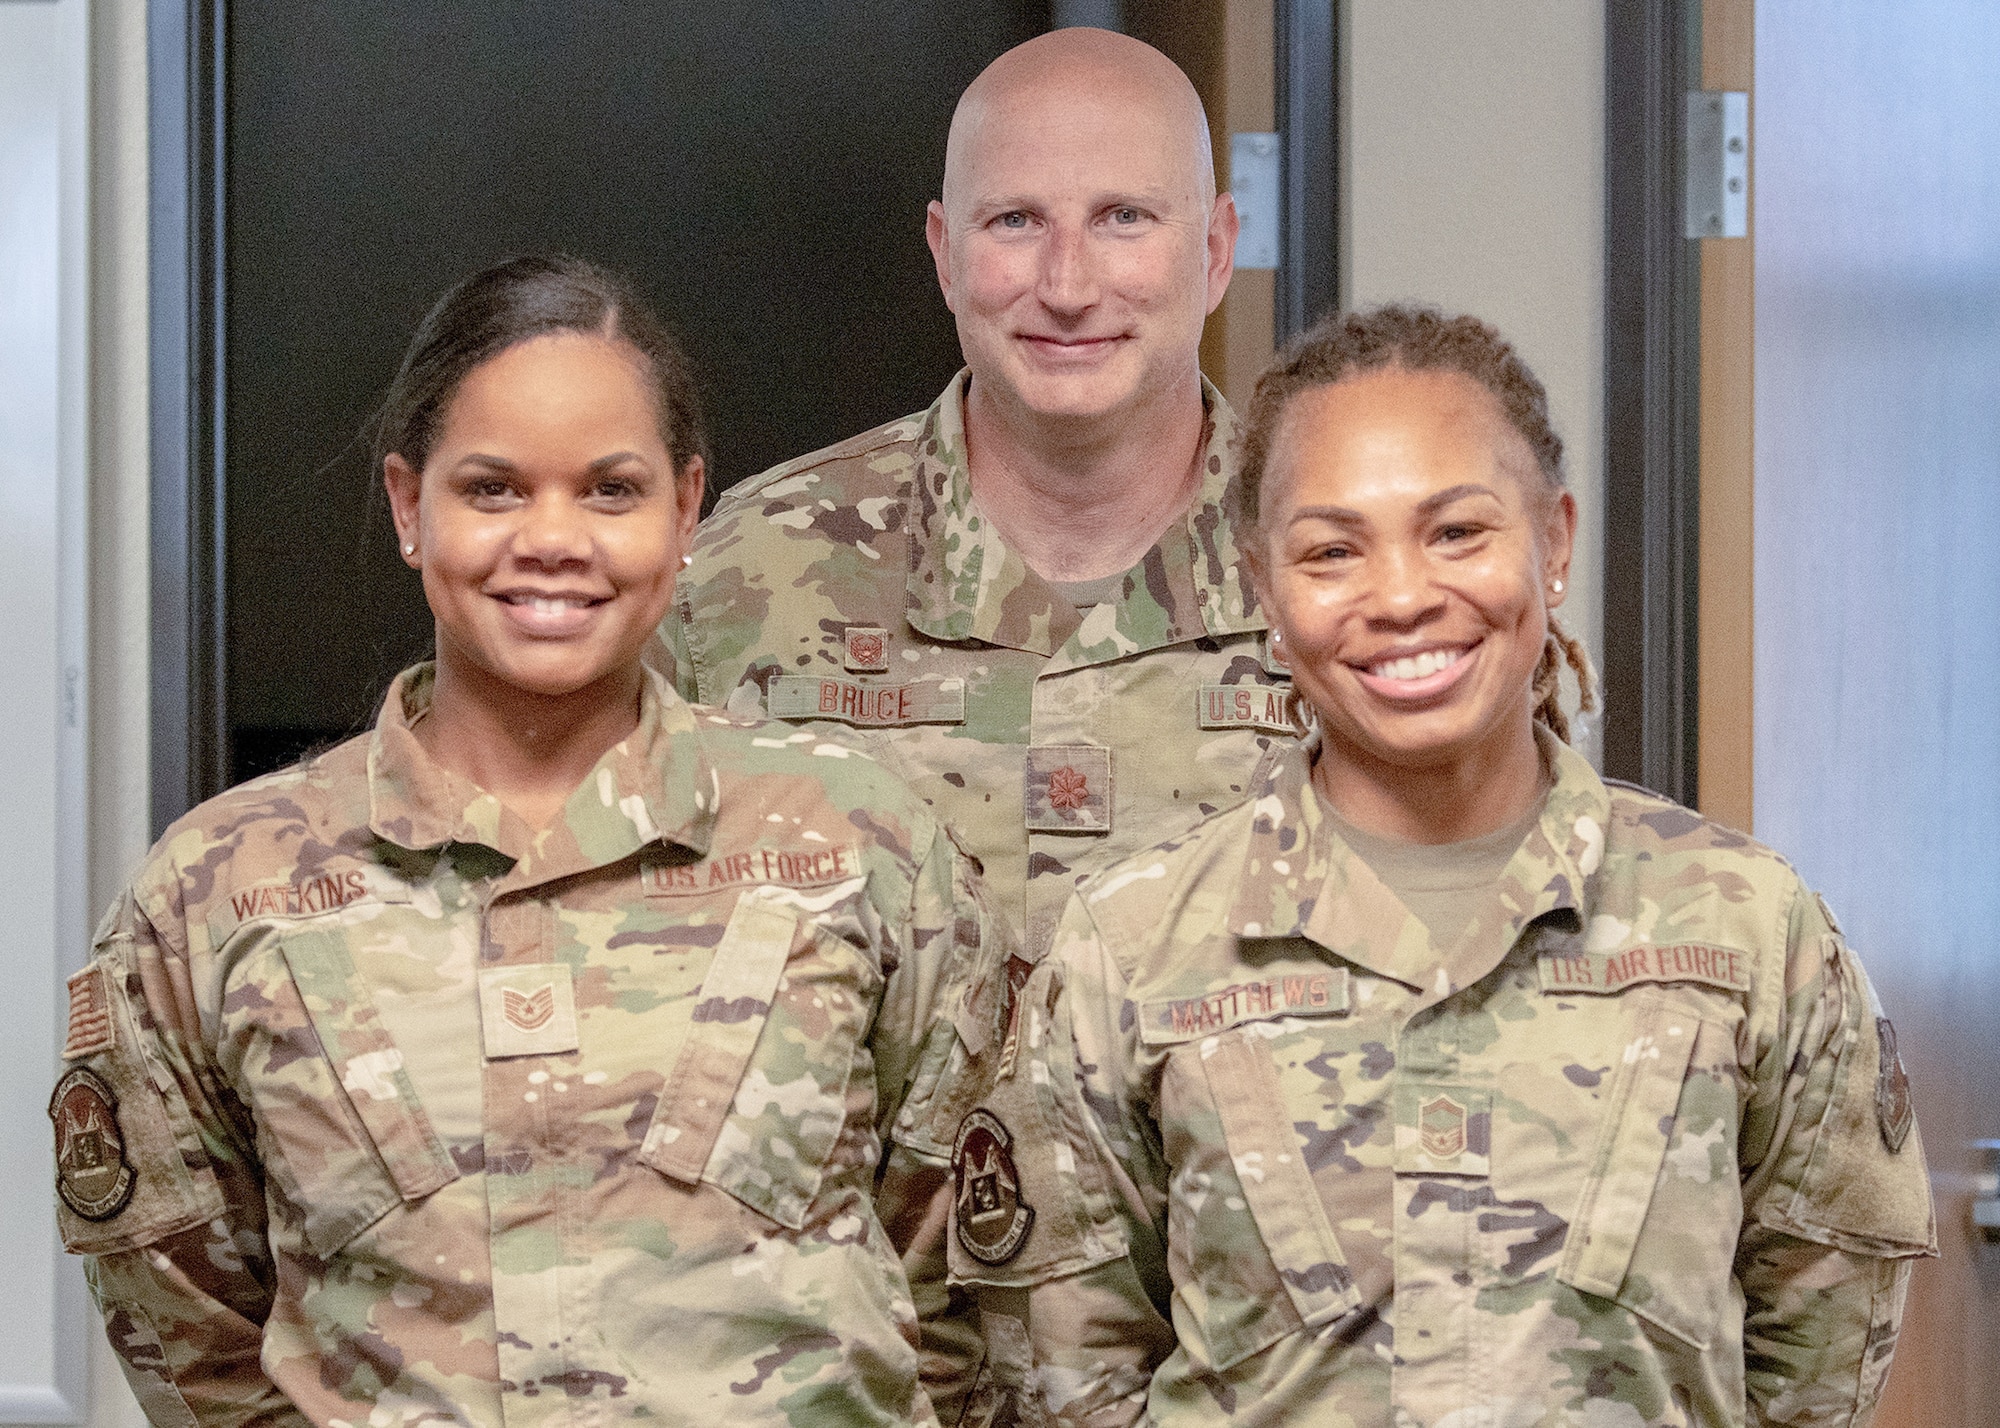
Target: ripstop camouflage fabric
(432, 1118)
(860, 586)
(1629, 1169)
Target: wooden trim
(1241, 335)
(1651, 321)
(1728, 430)
(186, 42)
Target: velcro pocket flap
(1631, 1146)
(729, 1014)
(369, 1067)
(1277, 1185)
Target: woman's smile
(1420, 675)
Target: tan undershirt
(1444, 884)
(1083, 594)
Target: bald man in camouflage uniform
(1245, 1148)
(1030, 594)
(381, 1108)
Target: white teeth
(543, 605)
(1417, 666)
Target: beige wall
(118, 498)
(1474, 178)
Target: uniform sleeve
(1837, 1197)
(954, 942)
(158, 1190)
(1059, 1193)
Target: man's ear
(1224, 222)
(938, 235)
(404, 485)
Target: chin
(1076, 395)
(549, 679)
(1412, 746)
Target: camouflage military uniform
(860, 585)
(382, 1108)
(1247, 1152)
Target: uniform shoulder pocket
(131, 1165)
(344, 1137)
(1248, 1300)
(1865, 1187)
(758, 1095)
(1656, 1223)
(1030, 1198)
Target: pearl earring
(686, 561)
(409, 547)
(1555, 587)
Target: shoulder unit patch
(93, 1175)
(988, 1214)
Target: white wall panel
(44, 483)
(1878, 571)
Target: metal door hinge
(1718, 164)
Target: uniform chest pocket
(1253, 1254)
(1657, 1219)
(757, 1097)
(342, 1134)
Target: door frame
(1652, 335)
(187, 51)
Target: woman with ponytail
(1438, 1082)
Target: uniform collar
(653, 786)
(966, 584)
(1300, 879)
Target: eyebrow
(1348, 516)
(500, 463)
(1151, 198)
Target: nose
(1069, 270)
(1401, 596)
(553, 534)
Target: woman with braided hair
(1439, 1082)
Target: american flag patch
(90, 1027)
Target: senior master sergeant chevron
(1031, 590)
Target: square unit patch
(867, 649)
(527, 1011)
(1067, 789)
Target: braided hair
(1415, 338)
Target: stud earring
(1555, 587)
(1277, 637)
(409, 547)
(686, 561)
